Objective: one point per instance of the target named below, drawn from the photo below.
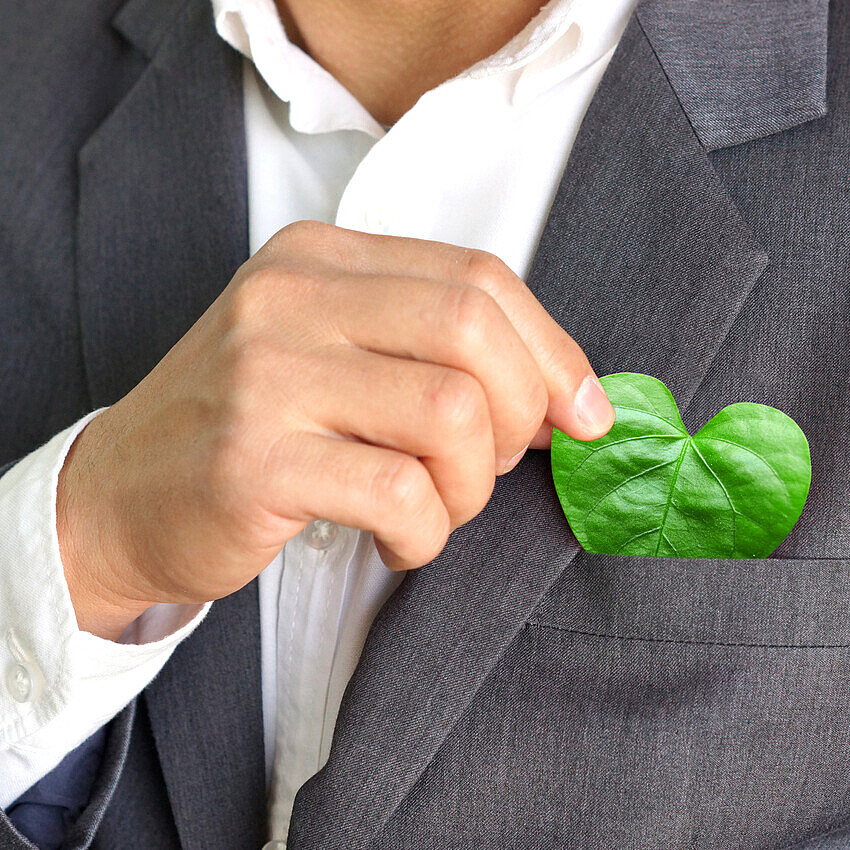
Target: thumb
(588, 416)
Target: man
(347, 376)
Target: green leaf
(732, 490)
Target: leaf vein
(594, 451)
(635, 537)
(623, 483)
(753, 453)
(735, 511)
(672, 490)
(669, 543)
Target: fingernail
(593, 409)
(509, 465)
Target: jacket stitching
(685, 641)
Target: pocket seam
(685, 641)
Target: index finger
(578, 404)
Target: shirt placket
(315, 570)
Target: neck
(388, 53)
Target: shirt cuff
(58, 684)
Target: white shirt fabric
(476, 162)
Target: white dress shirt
(476, 162)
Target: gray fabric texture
(769, 78)
(195, 775)
(510, 694)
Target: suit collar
(741, 70)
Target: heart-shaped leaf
(732, 490)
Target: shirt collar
(562, 39)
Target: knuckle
(486, 271)
(402, 485)
(433, 539)
(426, 540)
(422, 547)
(305, 240)
(470, 314)
(488, 483)
(299, 232)
(262, 296)
(475, 502)
(457, 404)
(480, 487)
(250, 300)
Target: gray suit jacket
(516, 693)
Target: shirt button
(19, 682)
(321, 533)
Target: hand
(375, 381)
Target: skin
(375, 381)
(388, 53)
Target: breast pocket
(703, 702)
(780, 602)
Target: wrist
(87, 548)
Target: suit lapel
(742, 70)
(645, 260)
(162, 227)
(162, 222)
